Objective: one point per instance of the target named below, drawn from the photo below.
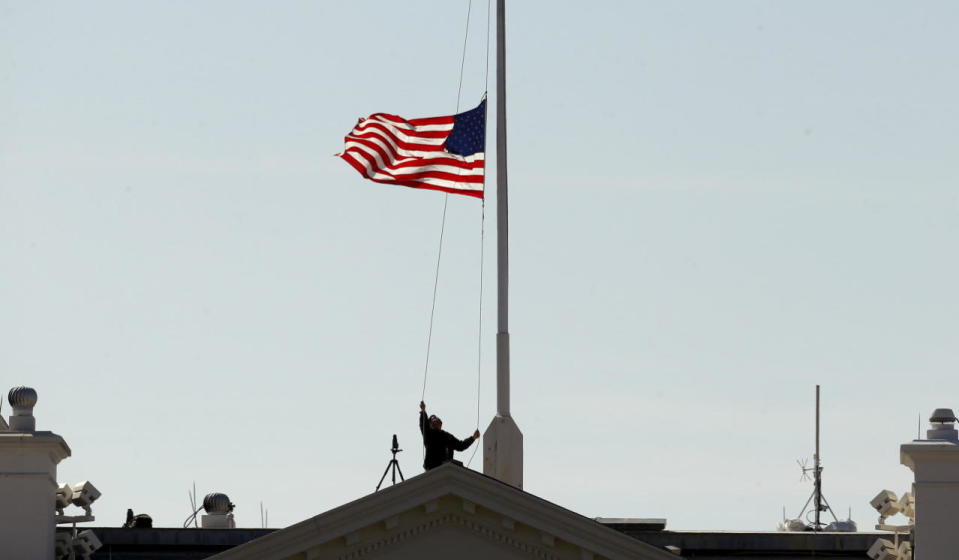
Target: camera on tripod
(393, 465)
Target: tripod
(393, 465)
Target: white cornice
(486, 492)
(50, 442)
(932, 451)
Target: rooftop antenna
(817, 498)
(393, 465)
(193, 509)
(817, 464)
(264, 516)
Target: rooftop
(196, 544)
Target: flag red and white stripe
(389, 149)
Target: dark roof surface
(772, 545)
(169, 544)
(196, 544)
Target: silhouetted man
(440, 444)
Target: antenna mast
(818, 471)
(818, 501)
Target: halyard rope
(479, 329)
(436, 283)
(439, 253)
(446, 199)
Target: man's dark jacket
(440, 444)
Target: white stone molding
(441, 492)
(28, 486)
(396, 538)
(935, 464)
(455, 520)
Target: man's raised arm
(424, 421)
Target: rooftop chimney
(935, 462)
(28, 474)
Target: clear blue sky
(714, 206)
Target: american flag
(438, 153)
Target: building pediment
(449, 512)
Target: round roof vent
(22, 397)
(943, 416)
(216, 502)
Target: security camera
(86, 543)
(84, 494)
(886, 503)
(64, 497)
(907, 505)
(883, 549)
(63, 544)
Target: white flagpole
(502, 442)
(502, 221)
